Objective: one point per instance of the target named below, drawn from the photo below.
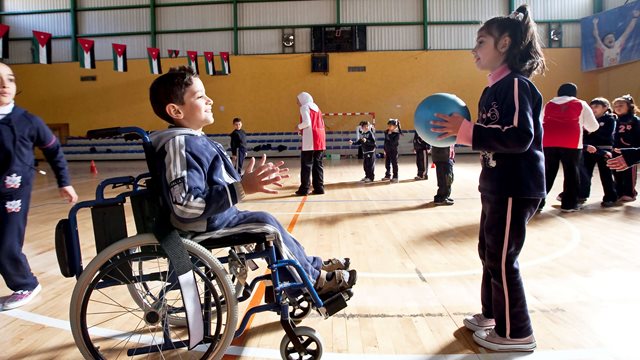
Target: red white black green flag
(86, 56)
(193, 60)
(42, 47)
(119, 57)
(226, 66)
(4, 41)
(154, 60)
(173, 53)
(208, 60)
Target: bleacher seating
(274, 144)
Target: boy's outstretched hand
(257, 178)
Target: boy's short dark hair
(237, 120)
(170, 88)
(568, 89)
(601, 101)
(364, 122)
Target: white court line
(574, 354)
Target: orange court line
(259, 291)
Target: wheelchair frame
(118, 253)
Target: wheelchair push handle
(129, 133)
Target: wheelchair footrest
(336, 302)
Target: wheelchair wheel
(107, 322)
(300, 308)
(145, 296)
(311, 341)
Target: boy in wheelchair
(202, 187)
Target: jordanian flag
(119, 57)
(42, 47)
(173, 53)
(193, 60)
(4, 41)
(208, 60)
(226, 66)
(154, 60)
(87, 56)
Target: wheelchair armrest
(236, 236)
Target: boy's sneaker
(364, 179)
(488, 339)
(608, 204)
(421, 177)
(367, 180)
(335, 281)
(302, 193)
(478, 322)
(447, 201)
(394, 180)
(20, 297)
(336, 264)
(575, 209)
(386, 178)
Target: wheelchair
(128, 301)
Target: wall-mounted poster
(611, 37)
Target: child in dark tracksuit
(391, 142)
(367, 142)
(443, 158)
(508, 133)
(421, 148)
(20, 132)
(238, 145)
(597, 149)
(627, 136)
(202, 186)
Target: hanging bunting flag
(42, 47)
(193, 60)
(4, 41)
(119, 57)
(173, 53)
(226, 66)
(86, 56)
(208, 57)
(154, 60)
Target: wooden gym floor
(419, 272)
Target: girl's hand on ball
(449, 126)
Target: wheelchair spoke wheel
(126, 301)
(310, 340)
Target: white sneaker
(488, 339)
(20, 298)
(478, 322)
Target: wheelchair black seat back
(131, 299)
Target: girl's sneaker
(386, 178)
(488, 339)
(20, 297)
(336, 264)
(394, 180)
(478, 322)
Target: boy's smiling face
(196, 111)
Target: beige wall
(262, 89)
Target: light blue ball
(440, 103)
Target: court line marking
(571, 354)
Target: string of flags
(87, 57)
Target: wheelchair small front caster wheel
(300, 309)
(311, 342)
